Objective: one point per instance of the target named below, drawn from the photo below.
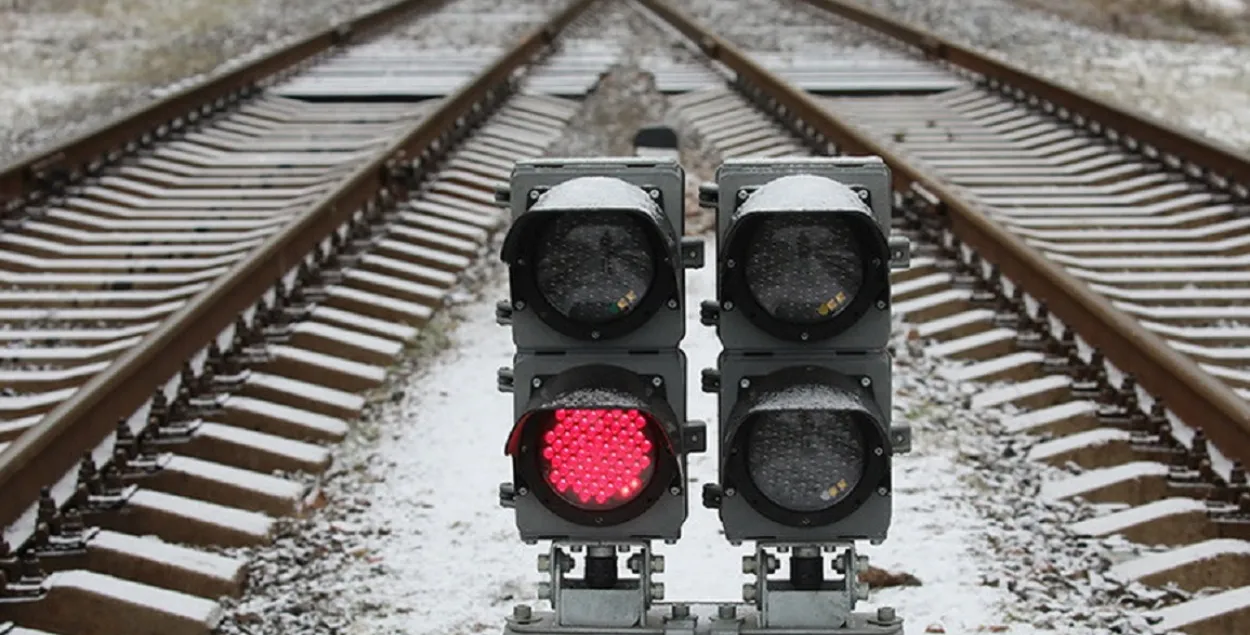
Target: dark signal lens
(598, 459)
(804, 270)
(594, 268)
(805, 461)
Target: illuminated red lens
(596, 458)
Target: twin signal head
(804, 259)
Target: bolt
(744, 383)
(865, 381)
(544, 590)
(863, 195)
(882, 491)
(730, 492)
(674, 490)
(749, 592)
(657, 564)
(727, 611)
(522, 491)
(544, 562)
(878, 451)
(657, 381)
(522, 612)
(657, 591)
(594, 335)
(804, 336)
(634, 563)
(672, 304)
(681, 611)
(749, 564)
(742, 195)
(881, 304)
(728, 306)
(519, 305)
(731, 263)
(886, 614)
(533, 195)
(536, 382)
(655, 194)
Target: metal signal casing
(817, 374)
(657, 385)
(649, 190)
(745, 197)
(743, 514)
(636, 364)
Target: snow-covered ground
(1202, 84)
(66, 65)
(413, 539)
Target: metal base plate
(669, 618)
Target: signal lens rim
(531, 470)
(524, 279)
(733, 286)
(738, 473)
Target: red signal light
(596, 458)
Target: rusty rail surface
(40, 456)
(1189, 392)
(1148, 132)
(35, 172)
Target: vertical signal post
(804, 381)
(599, 441)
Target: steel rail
(37, 171)
(1204, 154)
(1189, 392)
(53, 446)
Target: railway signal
(804, 380)
(599, 441)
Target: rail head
(56, 164)
(1189, 392)
(54, 445)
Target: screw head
(882, 491)
(742, 195)
(672, 304)
(878, 451)
(881, 304)
(744, 383)
(674, 490)
(654, 194)
(729, 491)
(731, 263)
(536, 382)
(863, 195)
(533, 195)
(728, 306)
(657, 381)
(594, 335)
(865, 381)
(519, 305)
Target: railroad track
(108, 295)
(1160, 240)
(103, 274)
